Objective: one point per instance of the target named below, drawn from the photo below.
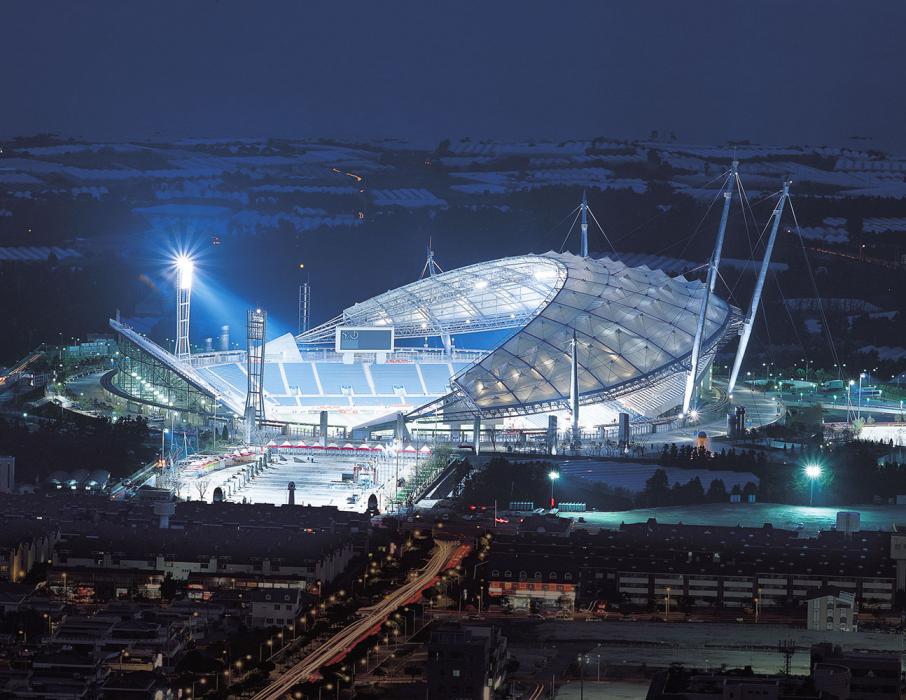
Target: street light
(553, 475)
(813, 473)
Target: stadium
(508, 342)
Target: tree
(657, 489)
(201, 486)
(717, 491)
(168, 587)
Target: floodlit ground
(806, 518)
(318, 483)
(616, 690)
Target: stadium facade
(503, 333)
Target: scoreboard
(364, 339)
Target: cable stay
(600, 228)
(569, 233)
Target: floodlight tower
(254, 399)
(185, 270)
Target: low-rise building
(685, 566)
(273, 607)
(832, 610)
(465, 661)
(873, 676)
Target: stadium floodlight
(693, 414)
(553, 475)
(813, 473)
(185, 269)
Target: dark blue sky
(793, 71)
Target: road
(345, 639)
(761, 409)
(21, 367)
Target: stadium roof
(494, 295)
(634, 328)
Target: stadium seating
(273, 380)
(388, 377)
(437, 377)
(335, 376)
(300, 377)
(233, 375)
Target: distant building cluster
(698, 566)
(132, 547)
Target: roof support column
(756, 294)
(574, 390)
(713, 266)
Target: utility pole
(756, 294)
(713, 266)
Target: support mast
(713, 266)
(759, 286)
(583, 251)
(574, 389)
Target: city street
(347, 638)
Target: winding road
(349, 636)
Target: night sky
(775, 72)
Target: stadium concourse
(339, 475)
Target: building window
(538, 576)
(508, 574)
(552, 575)
(495, 572)
(456, 673)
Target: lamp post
(581, 677)
(861, 377)
(553, 475)
(813, 473)
(757, 606)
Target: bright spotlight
(813, 471)
(185, 269)
(693, 414)
(553, 475)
